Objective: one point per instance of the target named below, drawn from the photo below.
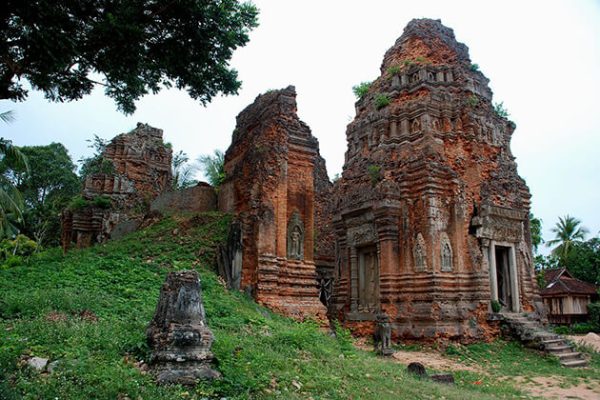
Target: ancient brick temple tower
(136, 169)
(273, 168)
(432, 217)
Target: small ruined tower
(432, 218)
(134, 168)
(274, 174)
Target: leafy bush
(562, 330)
(594, 313)
(14, 251)
(583, 327)
(381, 100)
(102, 202)
(474, 67)
(78, 203)
(374, 173)
(472, 100)
(420, 59)
(496, 306)
(407, 63)
(500, 110)
(393, 70)
(361, 89)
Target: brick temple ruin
(428, 225)
(136, 169)
(274, 178)
(431, 216)
(426, 229)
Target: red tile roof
(560, 282)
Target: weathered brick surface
(270, 187)
(141, 171)
(429, 187)
(199, 198)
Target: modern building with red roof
(566, 298)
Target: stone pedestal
(178, 335)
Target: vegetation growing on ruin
(472, 100)
(381, 100)
(394, 70)
(361, 89)
(474, 67)
(374, 172)
(501, 110)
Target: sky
(542, 59)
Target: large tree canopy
(136, 46)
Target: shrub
(472, 100)
(361, 89)
(496, 306)
(594, 312)
(393, 70)
(420, 59)
(562, 330)
(408, 63)
(474, 67)
(78, 203)
(102, 202)
(500, 110)
(381, 100)
(374, 173)
(12, 251)
(583, 327)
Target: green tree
(47, 187)
(535, 226)
(135, 47)
(567, 232)
(11, 201)
(213, 167)
(96, 164)
(183, 171)
(583, 261)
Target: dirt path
(590, 340)
(555, 387)
(434, 360)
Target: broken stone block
(447, 379)
(417, 369)
(37, 363)
(178, 334)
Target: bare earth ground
(555, 387)
(548, 387)
(591, 340)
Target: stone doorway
(504, 279)
(368, 279)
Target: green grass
(260, 354)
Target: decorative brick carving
(141, 170)
(447, 195)
(271, 183)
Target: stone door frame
(515, 305)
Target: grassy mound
(89, 310)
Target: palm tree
(213, 167)
(11, 201)
(567, 232)
(183, 171)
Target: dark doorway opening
(368, 279)
(503, 277)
